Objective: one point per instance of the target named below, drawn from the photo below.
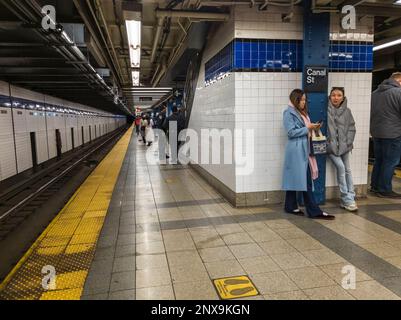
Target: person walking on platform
(340, 142)
(149, 133)
(177, 119)
(385, 128)
(144, 124)
(300, 168)
(138, 125)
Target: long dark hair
(295, 98)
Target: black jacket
(179, 118)
(385, 117)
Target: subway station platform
(140, 232)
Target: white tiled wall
(250, 100)
(214, 105)
(261, 99)
(44, 126)
(255, 24)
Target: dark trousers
(291, 203)
(143, 134)
(387, 157)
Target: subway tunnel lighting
(134, 40)
(397, 2)
(387, 44)
(66, 37)
(135, 78)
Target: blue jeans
(291, 203)
(344, 178)
(387, 157)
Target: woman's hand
(314, 126)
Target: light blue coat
(296, 159)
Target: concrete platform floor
(168, 234)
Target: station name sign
(315, 79)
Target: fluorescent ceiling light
(387, 44)
(134, 40)
(398, 2)
(150, 92)
(156, 88)
(135, 78)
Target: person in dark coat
(172, 126)
(300, 168)
(385, 128)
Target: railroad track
(25, 198)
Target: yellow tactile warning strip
(235, 287)
(66, 248)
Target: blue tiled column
(316, 52)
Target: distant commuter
(149, 134)
(138, 125)
(144, 124)
(167, 127)
(385, 128)
(300, 168)
(175, 117)
(340, 142)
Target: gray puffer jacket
(341, 129)
(385, 119)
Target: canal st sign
(315, 79)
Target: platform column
(316, 57)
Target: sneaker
(351, 207)
(391, 195)
(373, 190)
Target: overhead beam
(209, 16)
(379, 10)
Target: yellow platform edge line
(27, 254)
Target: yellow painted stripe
(68, 243)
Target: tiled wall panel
(214, 106)
(265, 66)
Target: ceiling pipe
(160, 74)
(263, 3)
(116, 66)
(155, 73)
(156, 39)
(210, 16)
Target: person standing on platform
(340, 142)
(144, 124)
(168, 128)
(385, 128)
(300, 168)
(138, 125)
(149, 131)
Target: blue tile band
(262, 55)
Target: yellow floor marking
(68, 243)
(235, 287)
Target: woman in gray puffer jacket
(341, 135)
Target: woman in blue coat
(300, 168)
